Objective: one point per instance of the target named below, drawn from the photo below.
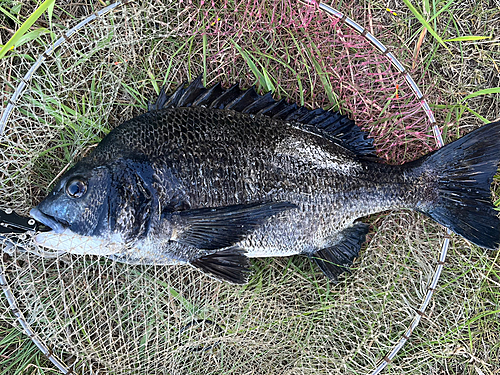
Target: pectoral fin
(230, 265)
(336, 259)
(217, 228)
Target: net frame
(11, 105)
(420, 312)
(331, 11)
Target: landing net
(92, 315)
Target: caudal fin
(465, 170)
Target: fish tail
(461, 198)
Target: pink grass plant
(317, 60)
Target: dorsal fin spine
(332, 125)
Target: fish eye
(76, 187)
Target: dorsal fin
(331, 125)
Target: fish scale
(212, 177)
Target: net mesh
(101, 316)
(113, 318)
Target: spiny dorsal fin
(331, 125)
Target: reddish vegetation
(292, 41)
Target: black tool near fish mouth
(11, 222)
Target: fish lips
(47, 220)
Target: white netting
(121, 319)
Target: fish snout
(47, 220)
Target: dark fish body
(211, 177)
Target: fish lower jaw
(73, 243)
(47, 220)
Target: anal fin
(336, 259)
(231, 265)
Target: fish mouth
(47, 220)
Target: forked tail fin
(465, 170)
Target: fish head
(77, 207)
(99, 210)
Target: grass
(18, 355)
(287, 319)
(22, 35)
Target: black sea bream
(212, 177)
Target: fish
(212, 177)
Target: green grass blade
(467, 38)
(50, 12)
(485, 120)
(7, 13)
(426, 24)
(25, 26)
(268, 80)
(260, 78)
(492, 90)
(16, 9)
(332, 97)
(205, 43)
(172, 59)
(448, 4)
(497, 205)
(29, 36)
(427, 8)
(153, 81)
